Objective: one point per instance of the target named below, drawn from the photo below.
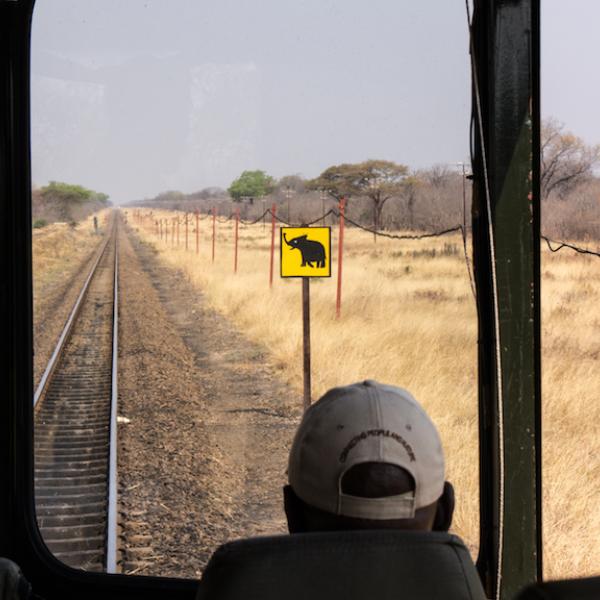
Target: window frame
(498, 23)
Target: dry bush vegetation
(59, 248)
(408, 318)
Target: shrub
(39, 223)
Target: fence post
(214, 213)
(338, 301)
(197, 233)
(273, 213)
(186, 231)
(237, 222)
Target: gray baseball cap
(360, 423)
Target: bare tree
(566, 161)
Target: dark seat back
(352, 565)
(572, 589)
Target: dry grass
(409, 319)
(58, 247)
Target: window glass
(191, 133)
(570, 291)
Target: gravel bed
(205, 426)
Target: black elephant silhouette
(311, 250)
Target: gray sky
(136, 97)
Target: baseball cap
(360, 423)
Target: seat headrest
(347, 565)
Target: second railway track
(75, 427)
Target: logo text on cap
(377, 433)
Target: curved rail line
(75, 426)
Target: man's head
(367, 456)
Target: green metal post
(506, 97)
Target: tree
(409, 191)
(170, 196)
(337, 181)
(566, 161)
(292, 182)
(378, 180)
(253, 184)
(57, 190)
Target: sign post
(306, 253)
(306, 340)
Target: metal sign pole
(306, 339)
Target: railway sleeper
(73, 445)
(74, 532)
(75, 460)
(92, 435)
(51, 471)
(83, 559)
(53, 507)
(60, 520)
(67, 481)
(51, 455)
(71, 418)
(96, 418)
(78, 403)
(47, 495)
(76, 544)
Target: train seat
(571, 589)
(346, 565)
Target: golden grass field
(409, 319)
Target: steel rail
(64, 336)
(111, 524)
(56, 522)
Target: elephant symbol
(312, 251)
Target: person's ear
(294, 510)
(445, 509)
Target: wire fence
(174, 222)
(561, 245)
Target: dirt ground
(205, 427)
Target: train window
(570, 291)
(169, 149)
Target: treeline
(425, 199)
(65, 202)
(384, 195)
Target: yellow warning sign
(305, 251)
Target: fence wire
(558, 244)
(562, 245)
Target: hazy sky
(139, 96)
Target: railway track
(75, 426)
